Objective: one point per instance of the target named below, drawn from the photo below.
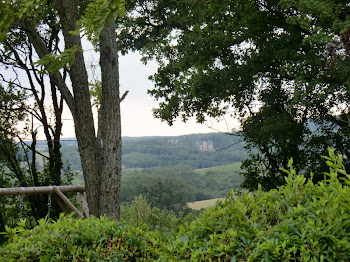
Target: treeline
(172, 187)
(163, 169)
(197, 151)
(300, 221)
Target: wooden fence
(55, 190)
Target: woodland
(281, 67)
(147, 152)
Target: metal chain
(21, 203)
(20, 206)
(49, 205)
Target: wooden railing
(57, 191)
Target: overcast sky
(137, 118)
(136, 109)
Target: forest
(279, 67)
(157, 167)
(146, 152)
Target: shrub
(300, 221)
(140, 212)
(76, 239)
(161, 191)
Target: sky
(136, 108)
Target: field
(198, 205)
(235, 167)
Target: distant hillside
(235, 167)
(197, 151)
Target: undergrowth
(300, 221)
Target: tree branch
(42, 51)
(124, 95)
(23, 143)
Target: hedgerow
(74, 239)
(300, 221)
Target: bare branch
(24, 143)
(124, 95)
(42, 51)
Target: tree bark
(110, 124)
(56, 157)
(89, 149)
(100, 156)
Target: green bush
(75, 239)
(161, 191)
(140, 212)
(300, 221)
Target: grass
(198, 205)
(235, 167)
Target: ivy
(96, 93)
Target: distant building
(206, 146)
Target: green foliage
(30, 207)
(12, 109)
(161, 191)
(281, 66)
(171, 187)
(148, 152)
(217, 181)
(220, 169)
(98, 14)
(300, 221)
(7, 18)
(32, 33)
(16, 167)
(213, 184)
(70, 157)
(140, 212)
(309, 9)
(175, 158)
(96, 93)
(71, 239)
(9, 11)
(165, 151)
(54, 62)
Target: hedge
(300, 221)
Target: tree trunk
(56, 165)
(100, 158)
(89, 149)
(110, 124)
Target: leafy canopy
(281, 67)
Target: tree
(282, 65)
(162, 191)
(21, 75)
(38, 21)
(17, 54)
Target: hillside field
(198, 205)
(234, 168)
